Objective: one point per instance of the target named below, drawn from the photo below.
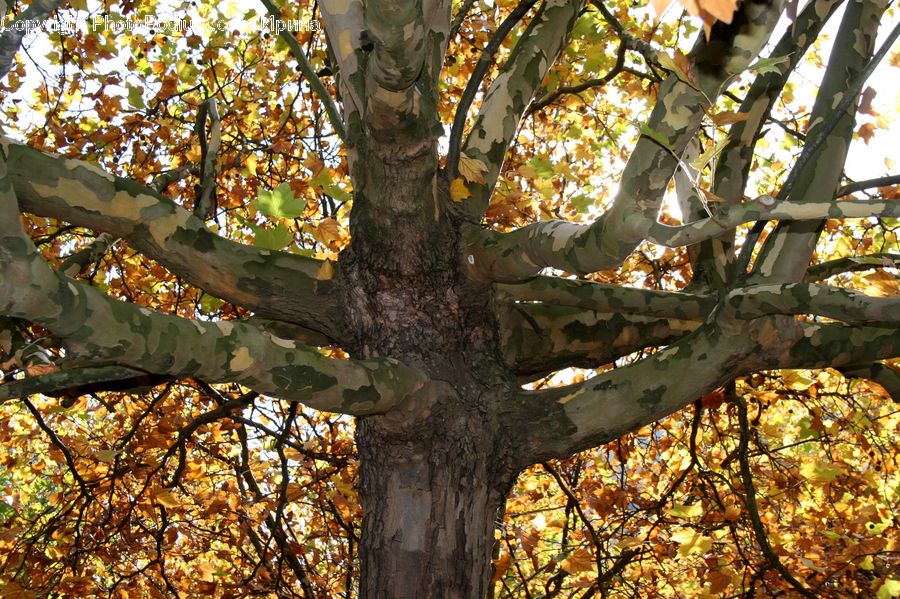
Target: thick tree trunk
(434, 473)
(431, 501)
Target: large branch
(570, 246)
(511, 92)
(676, 116)
(276, 285)
(538, 338)
(389, 56)
(820, 300)
(608, 298)
(713, 265)
(98, 330)
(817, 174)
(559, 421)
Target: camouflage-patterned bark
(444, 320)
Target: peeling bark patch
(299, 378)
(359, 396)
(652, 397)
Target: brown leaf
(728, 118)
(866, 131)
(472, 169)
(39, 369)
(865, 103)
(328, 231)
(722, 10)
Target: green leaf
(273, 239)
(280, 202)
(655, 136)
(210, 303)
(890, 589)
(769, 65)
(135, 96)
(581, 203)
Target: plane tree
(391, 246)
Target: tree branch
(275, 285)
(11, 36)
(511, 92)
(608, 298)
(315, 84)
(475, 79)
(787, 251)
(98, 330)
(523, 253)
(868, 184)
(559, 421)
(676, 117)
(538, 338)
(714, 265)
(803, 298)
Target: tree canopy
(448, 299)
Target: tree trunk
(433, 476)
(431, 501)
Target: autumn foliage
(185, 489)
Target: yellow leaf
(690, 541)
(325, 272)
(680, 510)
(890, 589)
(193, 154)
(796, 380)
(581, 560)
(882, 284)
(250, 163)
(472, 169)
(166, 498)
(821, 472)
(459, 191)
(328, 231)
(107, 455)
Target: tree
(413, 288)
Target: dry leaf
(458, 190)
(165, 498)
(39, 369)
(722, 10)
(472, 169)
(660, 6)
(865, 103)
(328, 231)
(581, 560)
(866, 131)
(728, 118)
(325, 272)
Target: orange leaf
(728, 118)
(458, 190)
